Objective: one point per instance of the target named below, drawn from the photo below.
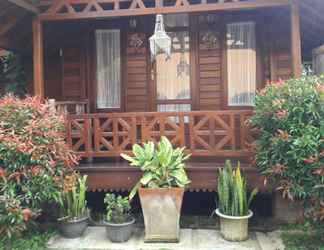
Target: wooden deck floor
(119, 176)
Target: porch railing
(203, 133)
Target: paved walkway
(191, 239)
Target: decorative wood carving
(136, 43)
(85, 9)
(209, 39)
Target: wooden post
(38, 58)
(296, 56)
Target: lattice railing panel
(203, 133)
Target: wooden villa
(93, 58)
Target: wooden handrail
(71, 107)
(203, 133)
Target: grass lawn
(32, 240)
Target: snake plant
(232, 191)
(162, 166)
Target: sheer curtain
(108, 68)
(241, 63)
(173, 75)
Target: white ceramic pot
(234, 228)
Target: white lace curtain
(108, 68)
(241, 63)
(173, 75)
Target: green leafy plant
(289, 117)
(232, 192)
(118, 208)
(162, 166)
(73, 198)
(12, 73)
(34, 159)
(33, 239)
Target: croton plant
(290, 146)
(34, 160)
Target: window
(241, 63)
(108, 69)
(173, 75)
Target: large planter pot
(234, 228)
(119, 232)
(161, 210)
(73, 228)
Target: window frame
(95, 68)
(259, 63)
(189, 101)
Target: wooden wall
(209, 66)
(137, 80)
(280, 42)
(70, 61)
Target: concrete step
(191, 239)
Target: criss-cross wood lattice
(78, 135)
(113, 134)
(248, 134)
(212, 132)
(203, 133)
(85, 9)
(171, 125)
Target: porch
(209, 136)
(200, 98)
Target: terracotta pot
(161, 210)
(234, 228)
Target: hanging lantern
(160, 42)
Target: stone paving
(191, 239)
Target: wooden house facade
(93, 57)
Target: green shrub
(12, 73)
(118, 208)
(73, 202)
(289, 117)
(163, 166)
(34, 159)
(232, 192)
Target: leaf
(147, 177)
(134, 190)
(252, 195)
(138, 152)
(127, 157)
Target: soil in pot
(73, 228)
(234, 228)
(119, 232)
(161, 210)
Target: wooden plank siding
(209, 68)
(70, 60)
(137, 95)
(280, 46)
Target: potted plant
(119, 222)
(233, 205)
(75, 215)
(161, 188)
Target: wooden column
(296, 56)
(38, 58)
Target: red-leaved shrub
(34, 160)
